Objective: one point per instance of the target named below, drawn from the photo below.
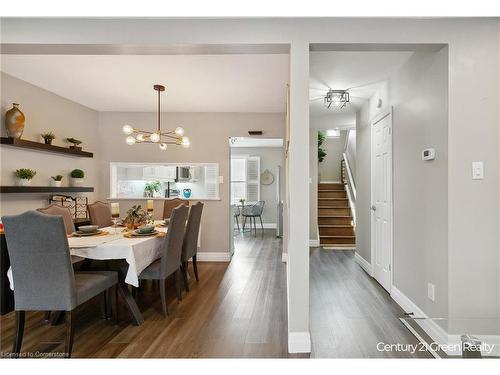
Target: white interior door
(381, 171)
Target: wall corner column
(298, 182)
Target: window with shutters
(245, 178)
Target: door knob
(373, 208)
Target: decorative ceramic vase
(23, 182)
(14, 122)
(77, 181)
(55, 183)
(47, 141)
(186, 193)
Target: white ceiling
(255, 142)
(195, 83)
(361, 71)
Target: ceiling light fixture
(333, 133)
(339, 98)
(170, 137)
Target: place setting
(148, 230)
(88, 231)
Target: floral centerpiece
(136, 217)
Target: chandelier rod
(159, 111)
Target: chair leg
(18, 340)
(70, 331)
(237, 223)
(185, 275)
(244, 223)
(46, 316)
(178, 285)
(255, 225)
(114, 302)
(163, 298)
(104, 305)
(261, 225)
(195, 268)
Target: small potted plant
(48, 137)
(56, 180)
(77, 177)
(24, 176)
(242, 202)
(151, 188)
(74, 144)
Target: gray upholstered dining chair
(253, 211)
(100, 214)
(42, 273)
(61, 211)
(170, 259)
(170, 204)
(235, 211)
(190, 244)
(56, 210)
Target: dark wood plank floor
(237, 310)
(350, 312)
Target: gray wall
(418, 92)
(209, 134)
(363, 182)
(351, 151)
(270, 158)
(313, 188)
(329, 169)
(46, 111)
(419, 95)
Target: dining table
(116, 243)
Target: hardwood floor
(236, 310)
(350, 312)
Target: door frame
(384, 112)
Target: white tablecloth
(138, 252)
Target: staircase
(335, 221)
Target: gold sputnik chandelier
(169, 137)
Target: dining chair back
(54, 209)
(170, 204)
(41, 264)
(100, 214)
(42, 273)
(172, 250)
(190, 244)
(252, 212)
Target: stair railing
(350, 185)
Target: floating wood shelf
(38, 146)
(45, 189)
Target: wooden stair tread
(330, 236)
(333, 199)
(335, 226)
(343, 216)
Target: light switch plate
(477, 170)
(431, 291)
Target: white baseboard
(364, 264)
(222, 256)
(437, 333)
(330, 182)
(265, 225)
(299, 342)
(336, 247)
(313, 243)
(284, 257)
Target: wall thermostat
(428, 154)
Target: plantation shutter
(211, 181)
(253, 178)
